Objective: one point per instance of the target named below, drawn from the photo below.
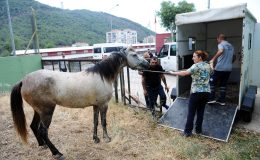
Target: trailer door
(255, 78)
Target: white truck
(167, 56)
(103, 50)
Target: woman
(200, 90)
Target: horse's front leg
(96, 113)
(103, 113)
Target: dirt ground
(71, 132)
(134, 136)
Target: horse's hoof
(107, 140)
(96, 140)
(59, 156)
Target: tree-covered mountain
(58, 27)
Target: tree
(169, 10)
(49, 44)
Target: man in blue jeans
(162, 94)
(223, 60)
(152, 83)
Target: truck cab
(167, 56)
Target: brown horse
(44, 89)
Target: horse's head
(134, 61)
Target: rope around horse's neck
(163, 72)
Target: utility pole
(35, 34)
(111, 22)
(208, 4)
(11, 29)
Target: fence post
(80, 65)
(122, 86)
(128, 85)
(116, 89)
(42, 64)
(52, 65)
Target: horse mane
(109, 67)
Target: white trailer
(198, 31)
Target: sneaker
(198, 131)
(166, 107)
(221, 103)
(153, 114)
(185, 134)
(211, 101)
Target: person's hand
(211, 64)
(167, 89)
(171, 72)
(145, 92)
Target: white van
(103, 50)
(167, 56)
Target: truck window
(111, 49)
(164, 51)
(97, 50)
(173, 50)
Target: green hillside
(58, 27)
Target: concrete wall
(14, 68)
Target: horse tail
(17, 111)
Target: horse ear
(129, 48)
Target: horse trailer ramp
(217, 123)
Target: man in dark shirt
(152, 83)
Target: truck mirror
(192, 43)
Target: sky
(144, 11)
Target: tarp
(237, 11)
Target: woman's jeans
(197, 104)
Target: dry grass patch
(134, 136)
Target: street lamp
(111, 22)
